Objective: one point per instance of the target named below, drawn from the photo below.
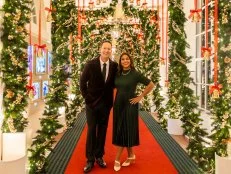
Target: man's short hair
(105, 41)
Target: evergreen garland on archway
(147, 54)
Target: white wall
(190, 29)
(45, 26)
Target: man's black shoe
(101, 162)
(88, 167)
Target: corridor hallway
(158, 151)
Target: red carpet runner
(150, 157)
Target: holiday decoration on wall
(195, 13)
(215, 89)
(50, 10)
(14, 64)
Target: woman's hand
(136, 100)
(146, 91)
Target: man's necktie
(104, 71)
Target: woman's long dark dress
(125, 115)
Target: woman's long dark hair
(120, 69)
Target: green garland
(64, 17)
(147, 54)
(14, 64)
(182, 102)
(220, 107)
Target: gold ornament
(39, 52)
(92, 36)
(162, 61)
(206, 55)
(10, 37)
(144, 5)
(226, 115)
(31, 94)
(7, 14)
(227, 73)
(229, 79)
(10, 123)
(138, 2)
(158, 39)
(216, 94)
(9, 94)
(20, 65)
(49, 17)
(97, 2)
(19, 78)
(166, 84)
(14, 61)
(20, 29)
(18, 99)
(225, 19)
(225, 15)
(196, 17)
(227, 60)
(17, 17)
(83, 19)
(228, 95)
(91, 5)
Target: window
(204, 68)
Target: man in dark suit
(96, 85)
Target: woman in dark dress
(125, 117)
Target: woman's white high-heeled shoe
(118, 166)
(129, 161)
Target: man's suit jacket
(92, 85)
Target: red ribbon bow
(140, 36)
(153, 19)
(204, 49)
(29, 88)
(194, 11)
(40, 46)
(50, 9)
(215, 87)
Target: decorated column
(220, 104)
(14, 64)
(182, 102)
